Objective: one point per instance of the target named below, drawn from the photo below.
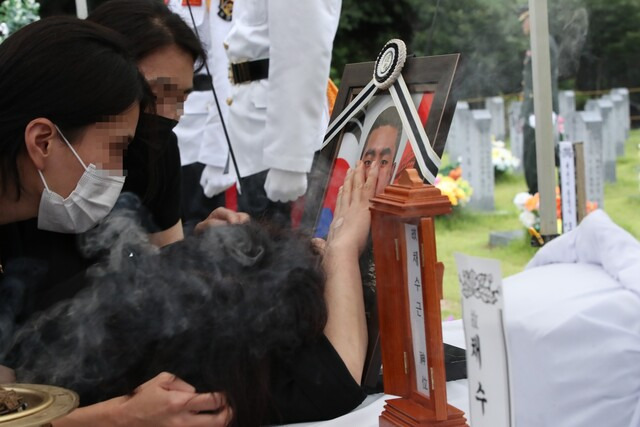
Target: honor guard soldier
(204, 152)
(280, 54)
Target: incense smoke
(215, 309)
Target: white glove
(284, 186)
(214, 181)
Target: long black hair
(73, 72)
(148, 25)
(216, 309)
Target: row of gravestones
(603, 128)
(469, 143)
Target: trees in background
(599, 40)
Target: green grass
(468, 232)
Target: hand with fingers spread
(222, 216)
(163, 401)
(352, 219)
(346, 326)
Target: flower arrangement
(452, 185)
(502, 159)
(529, 207)
(15, 14)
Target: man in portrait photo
(382, 146)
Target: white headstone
(624, 93)
(495, 105)
(605, 107)
(477, 166)
(516, 137)
(458, 132)
(619, 120)
(490, 400)
(566, 102)
(588, 126)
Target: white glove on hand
(284, 186)
(214, 181)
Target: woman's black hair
(148, 25)
(72, 72)
(220, 310)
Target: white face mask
(92, 199)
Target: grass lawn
(468, 232)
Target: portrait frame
(431, 74)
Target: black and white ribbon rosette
(387, 75)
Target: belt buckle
(230, 74)
(237, 70)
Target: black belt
(249, 71)
(202, 83)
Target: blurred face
(381, 147)
(169, 71)
(101, 144)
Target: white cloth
(200, 134)
(573, 322)
(279, 122)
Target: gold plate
(45, 404)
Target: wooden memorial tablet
(409, 290)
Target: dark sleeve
(153, 174)
(316, 385)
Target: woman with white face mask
(70, 103)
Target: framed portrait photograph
(378, 132)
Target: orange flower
(591, 206)
(456, 173)
(532, 203)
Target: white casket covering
(573, 321)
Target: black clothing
(196, 206)
(152, 163)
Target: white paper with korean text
(490, 400)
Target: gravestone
(495, 105)
(477, 167)
(458, 133)
(566, 103)
(516, 137)
(624, 93)
(619, 122)
(588, 130)
(605, 107)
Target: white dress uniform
(279, 122)
(200, 134)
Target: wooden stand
(411, 205)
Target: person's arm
(170, 235)
(296, 94)
(162, 401)
(346, 327)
